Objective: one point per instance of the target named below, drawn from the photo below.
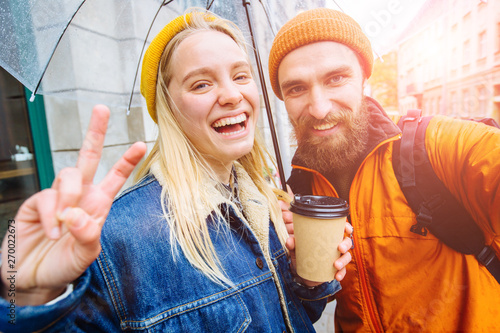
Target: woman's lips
(231, 125)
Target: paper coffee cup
(319, 223)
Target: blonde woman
(198, 244)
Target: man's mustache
(335, 116)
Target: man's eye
(336, 78)
(296, 90)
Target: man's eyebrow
(290, 83)
(344, 69)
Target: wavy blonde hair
(185, 171)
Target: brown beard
(341, 150)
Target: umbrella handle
(246, 4)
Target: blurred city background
(441, 56)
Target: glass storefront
(18, 170)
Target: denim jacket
(136, 283)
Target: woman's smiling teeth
(230, 125)
(324, 127)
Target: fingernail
(55, 233)
(63, 214)
(78, 221)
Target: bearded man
(398, 281)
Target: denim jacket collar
(256, 214)
(254, 203)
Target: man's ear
(364, 84)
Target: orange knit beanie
(316, 25)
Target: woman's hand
(57, 230)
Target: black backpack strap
(488, 258)
(300, 181)
(437, 210)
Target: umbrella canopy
(42, 42)
(91, 50)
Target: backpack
(437, 210)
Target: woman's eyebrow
(242, 63)
(197, 71)
(207, 70)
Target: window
(453, 107)
(467, 104)
(439, 27)
(498, 37)
(482, 107)
(481, 51)
(466, 52)
(454, 59)
(466, 7)
(18, 170)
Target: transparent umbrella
(91, 50)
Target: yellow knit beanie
(151, 61)
(316, 25)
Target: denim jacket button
(259, 263)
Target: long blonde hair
(185, 171)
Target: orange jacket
(399, 281)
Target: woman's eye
(242, 77)
(200, 86)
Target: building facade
(41, 137)
(449, 60)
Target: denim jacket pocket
(226, 314)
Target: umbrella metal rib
(32, 98)
(274, 138)
(246, 4)
(164, 3)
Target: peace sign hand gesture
(57, 230)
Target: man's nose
(319, 103)
(229, 94)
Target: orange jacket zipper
(372, 317)
(375, 323)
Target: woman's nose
(229, 94)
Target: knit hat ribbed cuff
(317, 25)
(152, 56)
